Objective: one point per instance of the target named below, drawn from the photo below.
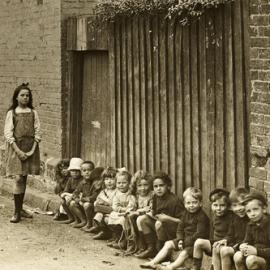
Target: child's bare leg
(179, 261)
(88, 209)
(226, 255)
(162, 254)
(216, 261)
(78, 214)
(255, 262)
(200, 246)
(239, 260)
(65, 206)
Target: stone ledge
(33, 197)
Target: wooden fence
(180, 97)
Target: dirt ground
(40, 243)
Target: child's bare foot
(86, 227)
(93, 229)
(148, 265)
(161, 267)
(79, 225)
(68, 221)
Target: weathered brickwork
(30, 52)
(260, 94)
(33, 49)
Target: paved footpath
(42, 244)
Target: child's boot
(141, 246)
(18, 206)
(151, 249)
(196, 264)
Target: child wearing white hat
(72, 183)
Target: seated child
(221, 218)
(164, 217)
(236, 233)
(194, 224)
(72, 183)
(84, 196)
(61, 176)
(255, 250)
(142, 189)
(103, 205)
(123, 203)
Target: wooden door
(95, 124)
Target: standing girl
(22, 134)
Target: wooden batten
(83, 36)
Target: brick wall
(30, 52)
(33, 49)
(260, 94)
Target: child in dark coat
(221, 219)
(194, 224)
(61, 176)
(255, 250)
(237, 230)
(162, 221)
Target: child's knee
(158, 225)
(225, 252)
(199, 244)
(140, 220)
(238, 258)
(87, 205)
(72, 203)
(169, 245)
(251, 262)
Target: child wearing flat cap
(221, 219)
(255, 250)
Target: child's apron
(24, 134)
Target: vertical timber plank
(112, 87)
(238, 94)
(194, 105)
(171, 102)
(157, 157)
(205, 186)
(136, 111)
(229, 108)
(219, 93)
(163, 95)
(179, 123)
(143, 82)
(210, 77)
(150, 98)
(187, 107)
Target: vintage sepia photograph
(134, 134)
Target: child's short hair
(109, 172)
(96, 173)
(63, 163)
(256, 195)
(124, 173)
(164, 177)
(195, 193)
(238, 194)
(91, 163)
(219, 193)
(138, 176)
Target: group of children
(140, 215)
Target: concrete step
(36, 198)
